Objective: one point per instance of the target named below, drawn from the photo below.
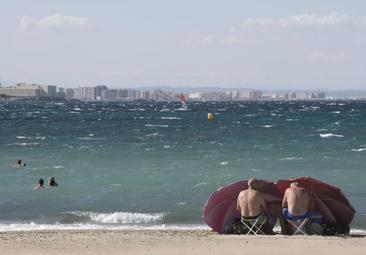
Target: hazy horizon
(269, 45)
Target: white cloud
(322, 57)
(26, 23)
(200, 40)
(55, 22)
(302, 20)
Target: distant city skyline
(267, 45)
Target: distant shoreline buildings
(103, 93)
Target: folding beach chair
(298, 222)
(254, 224)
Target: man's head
(294, 185)
(252, 183)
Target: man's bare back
(251, 203)
(296, 199)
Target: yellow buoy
(209, 116)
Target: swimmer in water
(40, 184)
(52, 182)
(20, 164)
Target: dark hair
(19, 162)
(52, 182)
(41, 182)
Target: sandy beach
(172, 242)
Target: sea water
(152, 165)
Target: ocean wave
(267, 126)
(359, 150)
(327, 135)
(151, 125)
(91, 138)
(23, 144)
(291, 158)
(119, 217)
(200, 184)
(171, 118)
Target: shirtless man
(251, 202)
(296, 200)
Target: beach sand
(172, 242)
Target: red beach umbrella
(327, 199)
(220, 208)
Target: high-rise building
(69, 93)
(145, 94)
(98, 91)
(109, 95)
(122, 93)
(255, 94)
(27, 90)
(84, 93)
(49, 90)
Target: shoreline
(34, 227)
(171, 242)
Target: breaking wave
(327, 135)
(116, 217)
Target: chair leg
(299, 228)
(253, 228)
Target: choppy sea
(152, 165)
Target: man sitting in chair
(253, 208)
(296, 204)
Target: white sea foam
(120, 217)
(255, 170)
(224, 163)
(359, 150)
(91, 138)
(33, 227)
(292, 158)
(170, 118)
(30, 137)
(267, 126)
(23, 144)
(200, 184)
(151, 125)
(327, 135)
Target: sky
(264, 44)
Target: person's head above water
(40, 182)
(52, 182)
(19, 162)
